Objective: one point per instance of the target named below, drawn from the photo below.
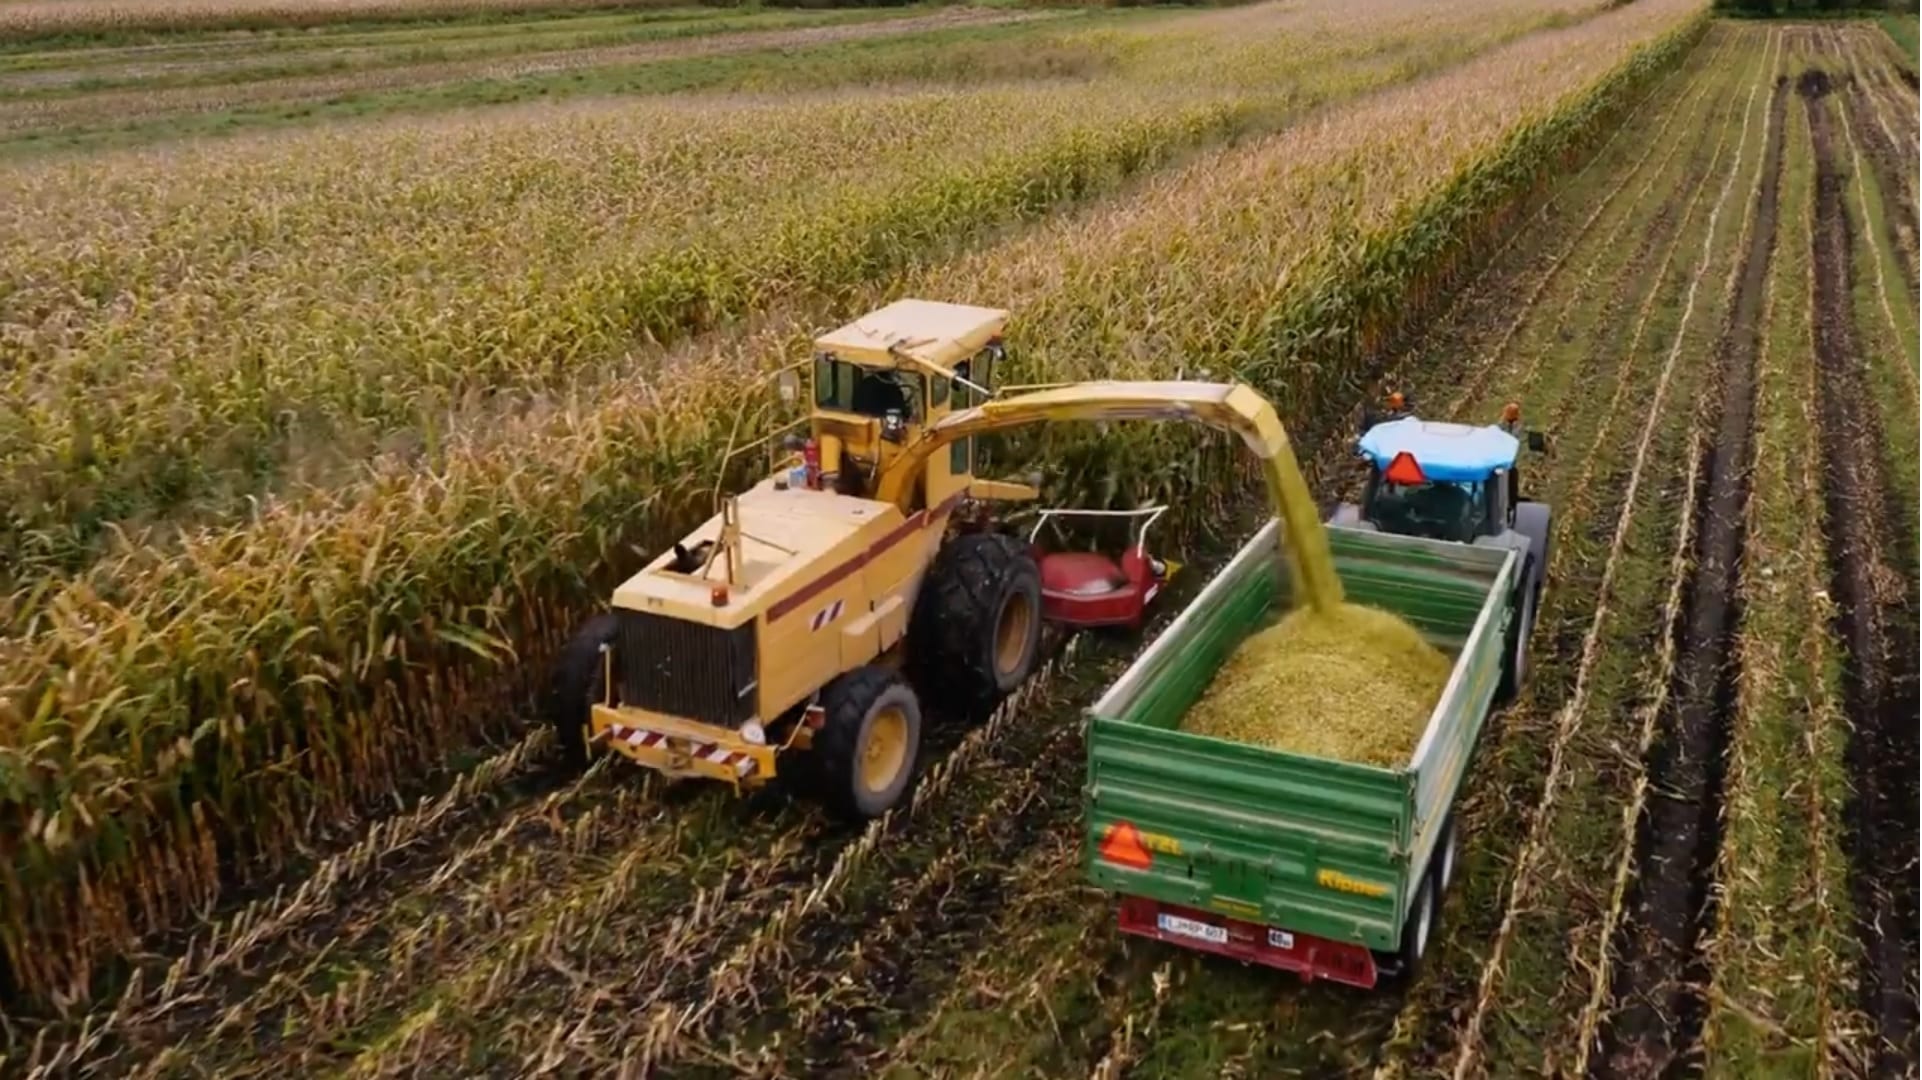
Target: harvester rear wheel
(977, 624)
(869, 742)
(578, 680)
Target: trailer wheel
(1405, 962)
(1515, 664)
(1449, 851)
(869, 742)
(977, 625)
(577, 681)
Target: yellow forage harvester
(1355, 684)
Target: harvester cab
(881, 382)
(816, 611)
(1458, 483)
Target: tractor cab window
(865, 391)
(1441, 510)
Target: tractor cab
(1444, 481)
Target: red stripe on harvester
(913, 524)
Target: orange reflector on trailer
(1404, 470)
(1122, 844)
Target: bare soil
(1876, 605)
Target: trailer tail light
(1405, 470)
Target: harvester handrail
(1152, 513)
(900, 351)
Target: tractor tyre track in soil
(1660, 969)
(1592, 467)
(1616, 494)
(1892, 172)
(1875, 618)
(1474, 315)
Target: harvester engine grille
(687, 669)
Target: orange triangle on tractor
(1404, 470)
(1122, 844)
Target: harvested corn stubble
(1357, 684)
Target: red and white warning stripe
(827, 615)
(742, 764)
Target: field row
(344, 87)
(53, 24)
(242, 58)
(493, 530)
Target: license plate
(1281, 939)
(1175, 924)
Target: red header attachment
(1404, 470)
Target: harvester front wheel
(869, 742)
(977, 624)
(578, 681)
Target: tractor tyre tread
(833, 775)
(1514, 674)
(952, 634)
(575, 683)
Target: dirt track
(1875, 616)
(1660, 966)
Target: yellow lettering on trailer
(1158, 842)
(1340, 882)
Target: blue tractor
(1459, 483)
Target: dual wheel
(974, 637)
(1418, 931)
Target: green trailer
(1326, 868)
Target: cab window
(1442, 510)
(961, 451)
(852, 388)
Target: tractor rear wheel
(977, 623)
(577, 682)
(868, 744)
(1515, 663)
